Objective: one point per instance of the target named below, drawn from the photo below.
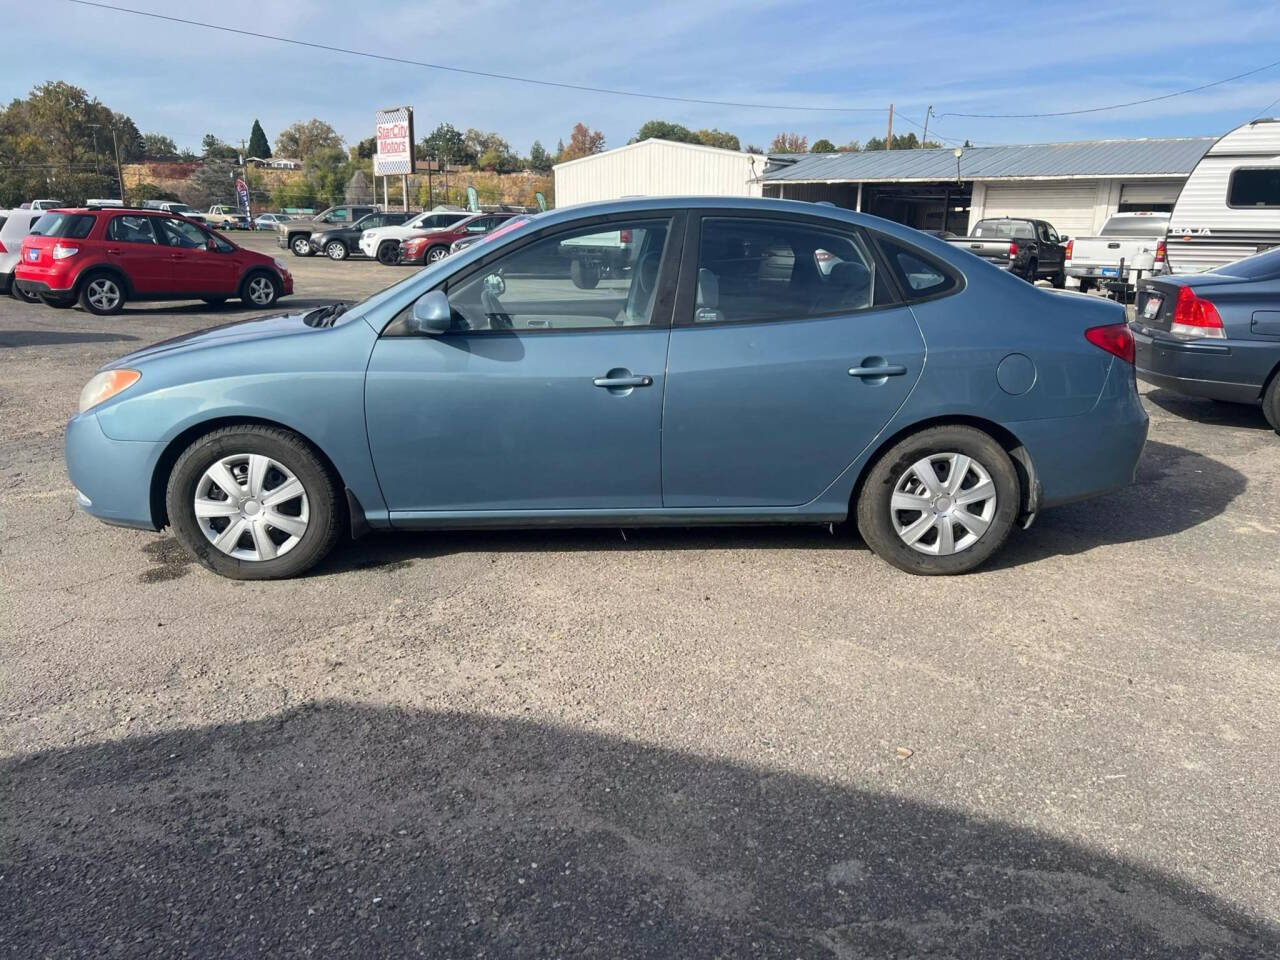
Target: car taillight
(2, 249)
(1013, 250)
(1114, 338)
(1070, 247)
(624, 236)
(62, 251)
(1195, 316)
(1159, 251)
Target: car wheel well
(114, 272)
(164, 466)
(1028, 482)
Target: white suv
(14, 226)
(383, 243)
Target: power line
(475, 73)
(1112, 106)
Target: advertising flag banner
(242, 195)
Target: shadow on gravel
(231, 308)
(44, 338)
(1200, 410)
(1176, 489)
(335, 830)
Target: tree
(366, 148)
(258, 144)
(214, 182)
(129, 138)
(851, 147)
(662, 130)
(582, 143)
(539, 159)
(718, 138)
(328, 171)
(789, 143)
(906, 141)
(299, 141)
(156, 146)
(754, 148)
(293, 194)
(446, 145)
(359, 189)
(142, 192)
(491, 151)
(216, 149)
(823, 146)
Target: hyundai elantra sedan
(644, 362)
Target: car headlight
(106, 385)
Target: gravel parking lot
(683, 743)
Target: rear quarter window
(920, 275)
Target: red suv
(103, 257)
(434, 245)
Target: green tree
(582, 143)
(662, 130)
(214, 182)
(789, 143)
(853, 146)
(539, 159)
(823, 146)
(156, 146)
(293, 194)
(299, 141)
(366, 148)
(718, 138)
(129, 137)
(216, 149)
(446, 145)
(142, 192)
(328, 172)
(259, 146)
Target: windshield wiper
(326, 316)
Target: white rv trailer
(1229, 207)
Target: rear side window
(71, 226)
(132, 230)
(919, 274)
(761, 270)
(1254, 187)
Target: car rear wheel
(1271, 402)
(300, 245)
(19, 294)
(253, 503)
(102, 294)
(260, 289)
(336, 250)
(388, 253)
(1032, 268)
(940, 501)
(436, 254)
(1059, 280)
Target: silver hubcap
(103, 294)
(943, 504)
(337, 251)
(435, 255)
(251, 507)
(301, 245)
(260, 290)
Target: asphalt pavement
(673, 743)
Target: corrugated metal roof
(1090, 158)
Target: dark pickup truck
(1031, 249)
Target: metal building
(655, 168)
(1075, 186)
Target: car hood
(237, 331)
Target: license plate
(1152, 307)
(1111, 271)
(33, 255)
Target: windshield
(1262, 266)
(1137, 226)
(75, 226)
(1004, 230)
(182, 208)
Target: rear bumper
(1214, 369)
(112, 477)
(42, 288)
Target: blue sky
(978, 57)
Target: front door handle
(614, 382)
(887, 370)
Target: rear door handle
(623, 381)
(888, 370)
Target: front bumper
(1198, 368)
(368, 247)
(112, 477)
(282, 241)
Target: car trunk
(1157, 298)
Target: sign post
(394, 136)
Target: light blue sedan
(656, 361)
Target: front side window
(586, 279)
(755, 270)
(1254, 187)
(132, 230)
(71, 226)
(180, 233)
(341, 215)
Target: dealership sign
(394, 135)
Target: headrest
(850, 273)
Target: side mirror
(1063, 239)
(432, 315)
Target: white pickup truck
(1129, 242)
(223, 215)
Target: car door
(203, 264)
(543, 396)
(134, 245)
(789, 352)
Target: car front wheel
(436, 254)
(940, 501)
(1271, 402)
(253, 503)
(301, 245)
(336, 250)
(389, 253)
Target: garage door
(1148, 196)
(1069, 207)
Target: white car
(383, 243)
(14, 226)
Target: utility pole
(924, 141)
(115, 142)
(888, 141)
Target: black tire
(389, 253)
(214, 301)
(22, 296)
(585, 274)
(336, 250)
(323, 496)
(102, 293)
(876, 518)
(1085, 284)
(1059, 280)
(58, 303)
(1271, 402)
(1032, 268)
(300, 245)
(250, 283)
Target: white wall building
(654, 168)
